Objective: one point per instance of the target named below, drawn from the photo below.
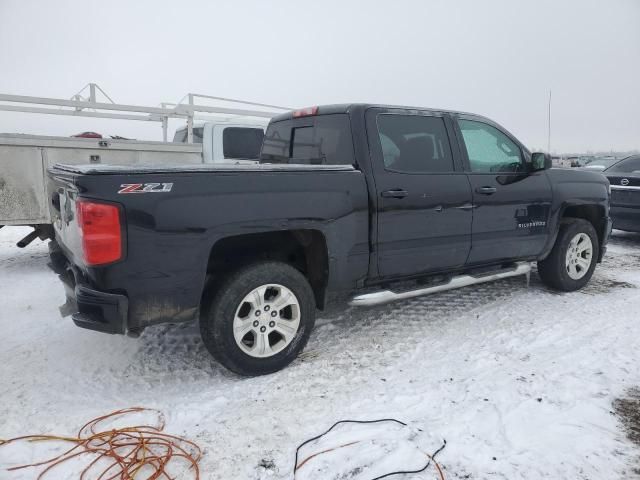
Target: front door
(424, 200)
(511, 205)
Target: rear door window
(242, 143)
(414, 144)
(321, 140)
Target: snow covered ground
(519, 381)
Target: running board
(384, 296)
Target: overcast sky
(496, 58)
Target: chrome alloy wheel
(266, 320)
(579, 256)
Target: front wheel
(259, 319)
(571, 263)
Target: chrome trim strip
(622, 187)
(384, 296)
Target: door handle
(397, 193)
(486, 190)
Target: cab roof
(350, 107)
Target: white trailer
(229, 134)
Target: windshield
(627, 165)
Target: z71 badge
(145, 188)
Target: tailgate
(63, 212)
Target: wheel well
(594, 214)
(305, 250)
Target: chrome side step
(384, 296)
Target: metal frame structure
(89, 106)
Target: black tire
(216, 323)
(553, 270)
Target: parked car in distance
(376, 202)
(624, 177)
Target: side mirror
(540, 161)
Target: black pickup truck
(374, 202)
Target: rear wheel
(259, 319)
(571, 263)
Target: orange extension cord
(128, 450)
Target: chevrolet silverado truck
(369, 202)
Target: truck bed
(175, 225)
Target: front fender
(579, 194)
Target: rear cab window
(314, 140)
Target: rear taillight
(100, 230)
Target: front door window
(489, 150)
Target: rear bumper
(104, 312)
(89, 308)
(626, 218)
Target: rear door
(423, 196)
(511, 205)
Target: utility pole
(549, 125)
